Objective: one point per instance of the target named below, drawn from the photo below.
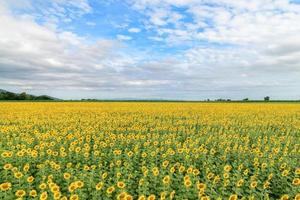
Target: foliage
(5, 95)
(267, 98)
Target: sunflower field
(148, 151)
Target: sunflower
(226, 182)
(7, 166)
(44, 196)
(54, 189)
(283, 166)
(86, 168)
(172, 194)
(5, 155)
(93, 167)
(240, 183)
(285, 172)
(266, 185)
(142, 197)
(270, 176)
(51, 184)
(79, 184)
(74, 197)
(246, 171)
(128, 197)
(67, 176)
(212, 151)
(18, 175)
(196, 172)
(20, 193)
(57, 195)
(151, 197)
(141, 182)
(26, 167)
(155, 171)
(110, 190)
(119, 174)
(104, 175)
(189, 170)
(210, 175)
(144, 155)
(72, 188)
(121, 196)
(225, 175)
(43, 186)
(285, 197)
(121, 184)
(201, 186)
(130, 153)
(205, 198)
(163, 195)
(233, 197)
(30, 179)
(188, 183)
(186, 177)
(296, 181)
(172, 170)
(181, 169)
(165, 163)
(99, 185)
(227, 168)
(166, 180)
(264, 165)
(5, 186)
(33, 193)
(118, 163)
(253, 184)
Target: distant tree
(11, 96)
(246, 99)
(22, 96)
(5, 95)
(43, 97)
(228, 99)
(267, 98)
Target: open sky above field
(151, 49)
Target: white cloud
(134, 30)
(225, 21)
(158, 39)
(32, 55)
(266, 26)
(53, 12)
(123, 37)
(147, 82)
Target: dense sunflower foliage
(149, 151)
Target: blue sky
(151, 49)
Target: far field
(144, 150)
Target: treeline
(267, 98)
(5, 95)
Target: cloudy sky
(151, 49)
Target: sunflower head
(5, 186)
(20, 193)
